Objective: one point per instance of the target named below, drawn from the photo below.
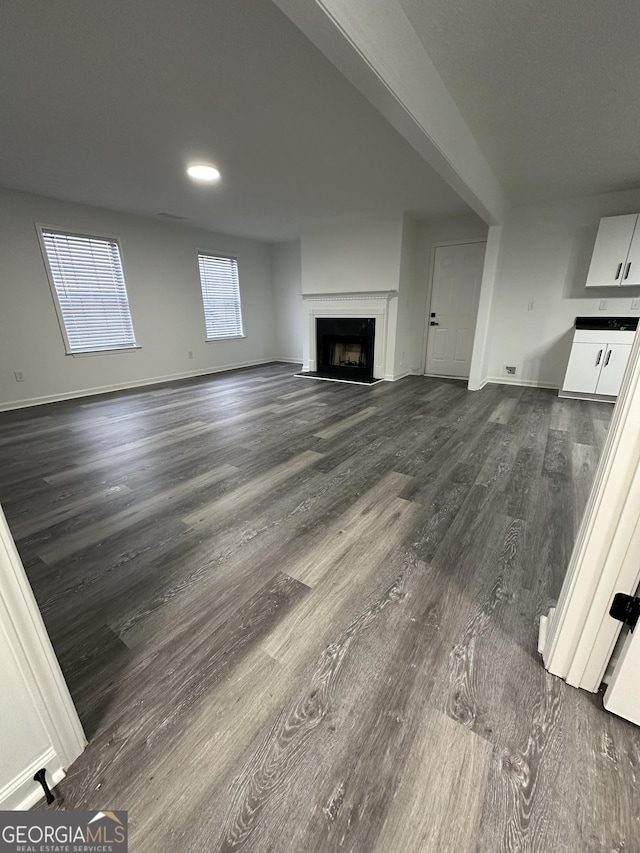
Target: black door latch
(625, 608)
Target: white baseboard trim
(524, 383)
(478, 387)
(287, 360)
(596, 398)
(397, 376)
(446, 376)
(138, 383)
(23, 793)
(542, 631)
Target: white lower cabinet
(613, 367)
(597, 363)
(583, 370)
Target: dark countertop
(608, 324)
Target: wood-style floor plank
(301, 615)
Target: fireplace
(344, 347)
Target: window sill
(90, 352)
(222, 340)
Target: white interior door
(455, 289)
(623, 693)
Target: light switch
(603, 305)
(635, 304)
(530, 306)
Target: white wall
(161, 271)
(430, 232)
(357, 255)
(289, 313)
(381, 253)
(350, 255)
(544, 258)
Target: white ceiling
(549, 88)
(106, 102)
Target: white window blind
(89, 287)
(220, 296)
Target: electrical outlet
(635, 304)
(530, 306)
(19, 375)
(189, 354)
(603, 305)
(509, 370)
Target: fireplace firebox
(344, 347)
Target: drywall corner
(480, 354)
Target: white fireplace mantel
(349, 297)
(381, 305)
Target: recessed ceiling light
(200, 172)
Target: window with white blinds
(220, 296)
(90, 292)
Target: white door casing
(455, 290)
(577, 637)
(40, 726)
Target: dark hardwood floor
(302, 616)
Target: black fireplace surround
(344, 347)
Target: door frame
(30, 646)
(577, 637)
(425, 336)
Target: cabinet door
(631, 272)
(609, 259)
(613, 367)
(584, 367)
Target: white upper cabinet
(616, 255)
(631, 273)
